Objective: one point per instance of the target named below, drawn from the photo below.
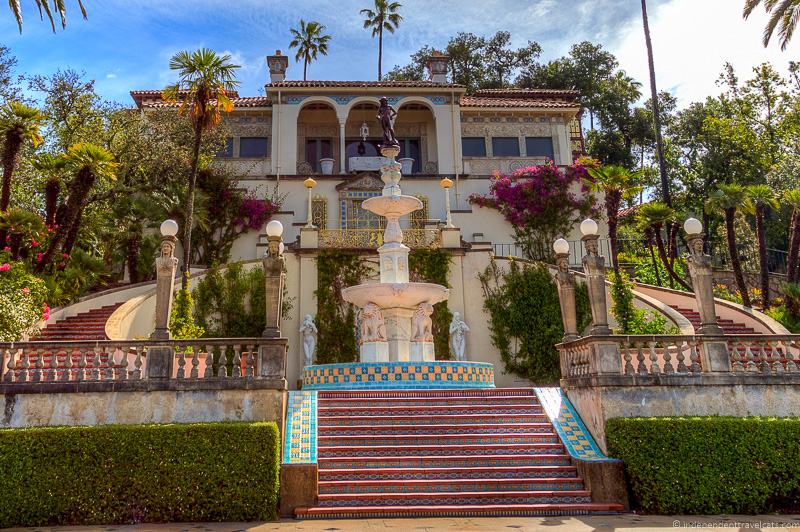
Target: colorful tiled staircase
(728, 326)
(442, 452)
(90, 325)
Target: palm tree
(52, 169)
(783, 13)
(58, 8)
(617, 183)
(309, 41)
(86, 163)
(762, 198)
(205, 81)
(657, 215)
(18, 124)
(792, 198)
(384, 16)
(727, 199)
(662, 164)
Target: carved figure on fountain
(373, 328)
(386, 116)
(422, 324)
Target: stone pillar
(160, 359)
(274, 278)
(309, 183)
(342, 145)
(565, 280)
(595, 267)
(703, 283)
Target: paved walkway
(484, 524)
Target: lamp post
(274, 277)
(595, 267)
(446, 184)
(565, 280)
(309, 183)
(702, 277)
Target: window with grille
(418, 218)
(319, 212)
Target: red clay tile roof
(363, 84)
(151, 99)
(529, 98)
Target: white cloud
(111, 75)
(692, 40)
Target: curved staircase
(90, 325)
(727, 326)
(443, 453)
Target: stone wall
(598, 399)
(102, 403)
(753, 280)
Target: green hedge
(709, 465)
(139, 473)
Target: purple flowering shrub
(541, 203)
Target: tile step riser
(432, 430)
(325, 412)
(454, 499)
(397, 452)
(433, 475)
(468, 488)
(433, 463)
(462, 439)
(424, 402)
(494, 511)
(427, 420)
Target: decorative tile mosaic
(300, 446)
(399, 375)
(577, 440)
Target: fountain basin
(392, 206)
(395, 295)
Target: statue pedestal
(374, 352)
(398, 332)
(422, 352)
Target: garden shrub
(525, 318)
(182, 324)
(709, 465)
(632, 320)
(22, 302)
(231, 302)
(124, 474)
(433, 266)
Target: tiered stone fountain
(395, 316)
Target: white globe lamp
(693, 226)
(274, 228)
(169, 228)
(561, 246)
(589, 227)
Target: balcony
(373, 238)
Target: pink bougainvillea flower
(7, 248)
(65, 255)
(26, 290)
(34, 244)
(5, 267)
(39, 257)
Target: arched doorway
(317, 137)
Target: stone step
(405, 440)
(476, 510)
(460, 499)
(424, 401)
(435, 410)
(443, 461)
(391, 430)
(444, 473)
(450, 485)
(439, 450)
(419, 420)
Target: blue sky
(127, 44)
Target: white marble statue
(458, 336)
(373, 328)
(421, 324)
(309, 332)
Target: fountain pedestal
(389, 307)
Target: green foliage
(632, 320)
(433, 266)
(525, 318)
(336, 319)
(230, 302)
(126, 474)
(782, 315)
(709, 465)
(22, 301)
(182, 325)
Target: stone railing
(139, 360)
(650, 356)
(373, 238)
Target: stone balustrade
(121, 361)
(651, 356)
(373, 238)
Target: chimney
(277, 66)
(437, 67)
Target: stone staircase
(442, 453)
(728, 326)
(85, 326)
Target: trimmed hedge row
(709, 465)
(139, 473)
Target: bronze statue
(386, 114)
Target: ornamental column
(595, 267)
(271, 362)
(342, 145)
(565, 281)
(159, 360)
